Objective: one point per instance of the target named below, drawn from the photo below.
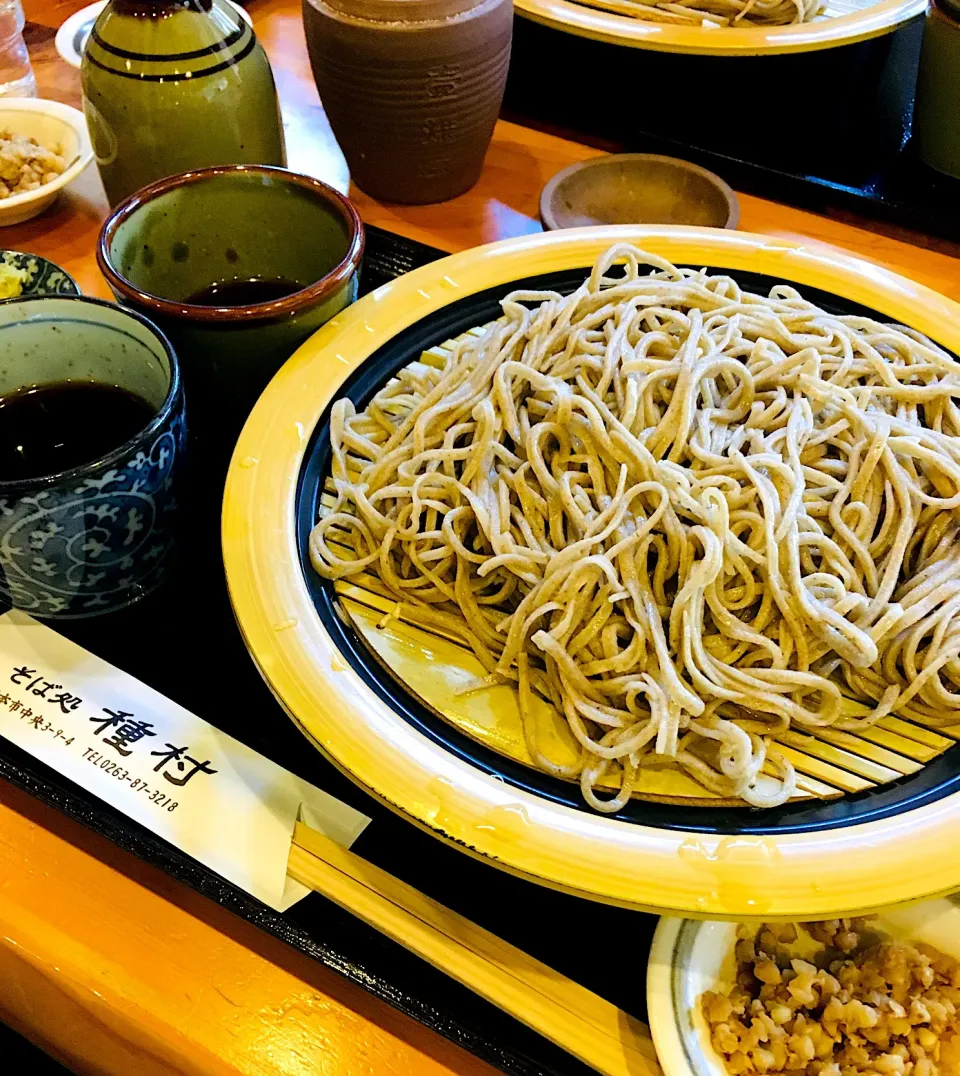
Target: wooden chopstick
(568, 1014)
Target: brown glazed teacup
(164, 250)
(412, 89)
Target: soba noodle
(690, 516)
(715, 12)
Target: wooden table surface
(106, 962)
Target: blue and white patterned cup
(98, 537)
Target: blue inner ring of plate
(939, 777)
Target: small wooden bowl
(637, 188)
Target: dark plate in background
(825, 130)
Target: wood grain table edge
(113, 967)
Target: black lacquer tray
(826, 130)
(183, 641)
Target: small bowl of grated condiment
(25, 275)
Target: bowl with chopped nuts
(877, 996)
(43, 146)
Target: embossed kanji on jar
(412, 89)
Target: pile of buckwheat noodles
(689, 516)
(714, 12)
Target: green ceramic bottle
(173, 85)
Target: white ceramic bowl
(51, 124)
(689, 956)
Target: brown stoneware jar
(412, 89)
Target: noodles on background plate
(715, 12)
(689, 516)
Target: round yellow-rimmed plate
(845, 22)
(879, 844)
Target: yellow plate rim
(804, 875)
(873, 21)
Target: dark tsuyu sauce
(52, 428)
(244, 292)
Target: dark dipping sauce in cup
(52, 428)
(244, 292)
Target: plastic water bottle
(16, 74)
